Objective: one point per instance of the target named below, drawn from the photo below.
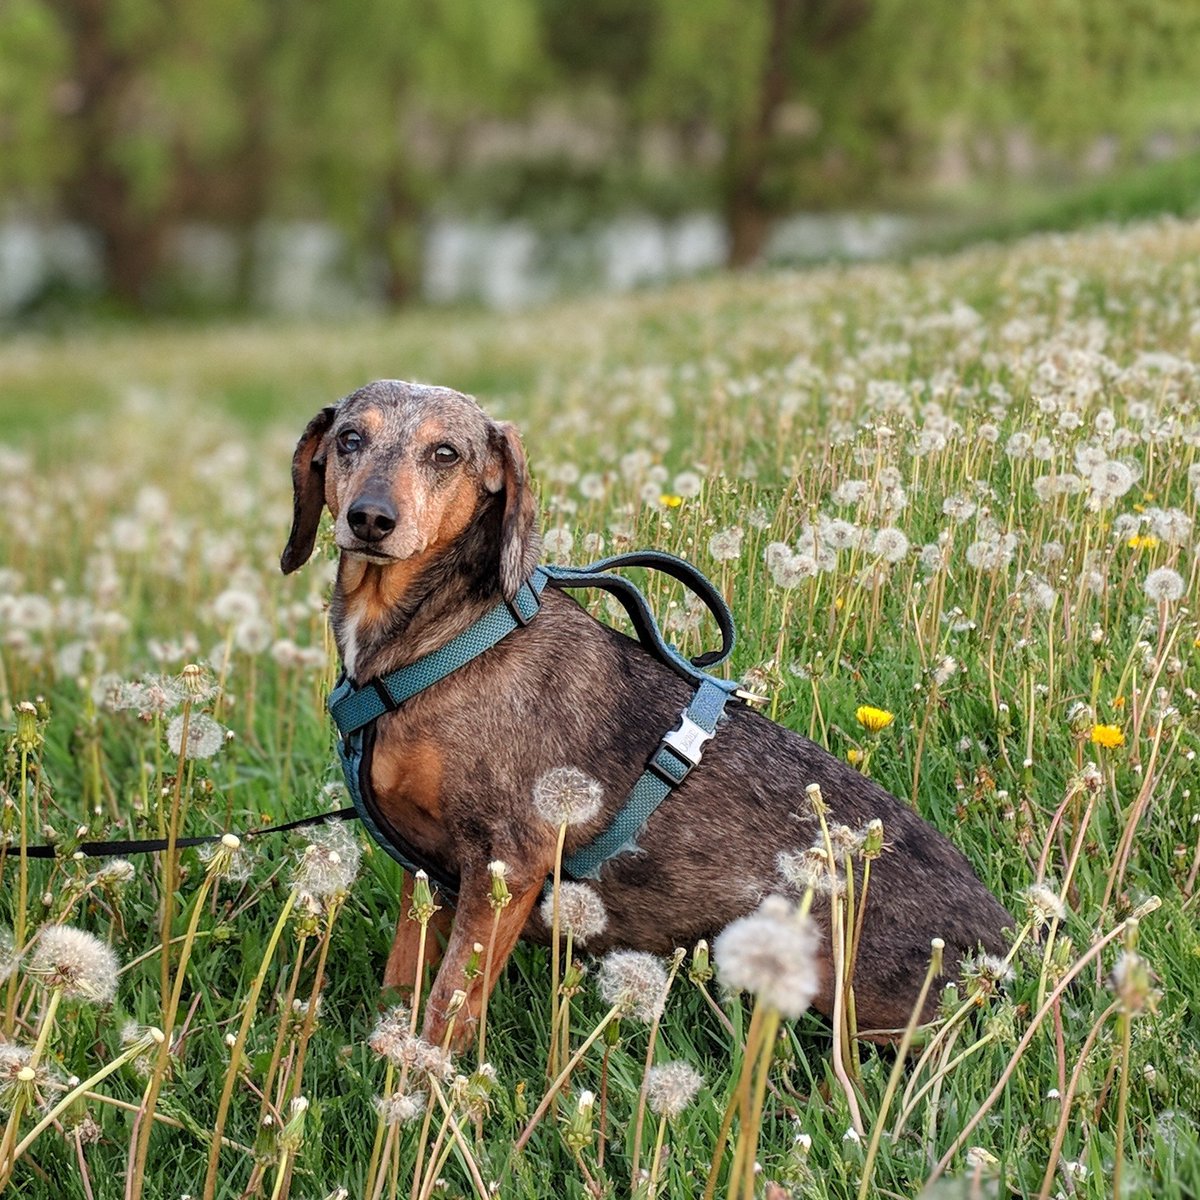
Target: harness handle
(635, 605)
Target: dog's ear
(308, 491)
(519, 541)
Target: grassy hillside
(984, 474)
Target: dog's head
(405, 470)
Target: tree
(379, 95)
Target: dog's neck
(385, 616)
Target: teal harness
(356, 709)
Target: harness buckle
(385, 697)
(688, 740)
(514, 606)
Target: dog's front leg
(401, 970)
(473, 921)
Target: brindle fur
(454, 767)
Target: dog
(436, 523)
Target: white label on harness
(688, 740)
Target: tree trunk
(401, 238)
(747, 215)
(99, 192)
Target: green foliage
(132, 116)
(152, 474)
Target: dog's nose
(372, 518)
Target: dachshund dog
(436, 523)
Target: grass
(972, 402)
(1139, 191)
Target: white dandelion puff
(1164, 585)
(772, 953)
(581, 912)
(204, 736)
(75, 961)
(670, 1088)
(635, 981)
(566, 796)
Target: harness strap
(677, 754)
(360, 706)
(355, 709)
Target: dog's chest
(407, 777)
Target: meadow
(961, 491)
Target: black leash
(155, 845)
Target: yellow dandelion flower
(1142, 541)
(854, 756)
(874, 720)
(1108, 736)
(669, 501)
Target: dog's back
(574, 692)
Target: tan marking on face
(371, 591)
(458, 510)
(371, 419)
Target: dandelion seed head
(1164, 585)
(805, 869)
(390, 1032)
(671, 1087)
(328, 865)
(1044, 905)
(400, 1108)
(8, 954)
(634, 980)
(566, 796)
(116, 871)
(75, 961)
(152, 696)
(204, 737)
(771, 953)
(890, 544)
(558, 542)
(1110, 480)
(581, 912)
(726, 544)
(945, 670)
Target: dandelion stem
(651, 1042)
(563, 1076)
(656, 1160)
(487, 983)
(461, 1142)
(74, 1094)
(552, 1060)
(169, 863)
(983, 1109)
(10, 1009)
(235, 1055)
(162, 1058)
(738, 1099)
(914, 1018)
(752, 1119)
(1068, 1098)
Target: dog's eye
(445, 456)
(349, 440)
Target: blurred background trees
(140, 122)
